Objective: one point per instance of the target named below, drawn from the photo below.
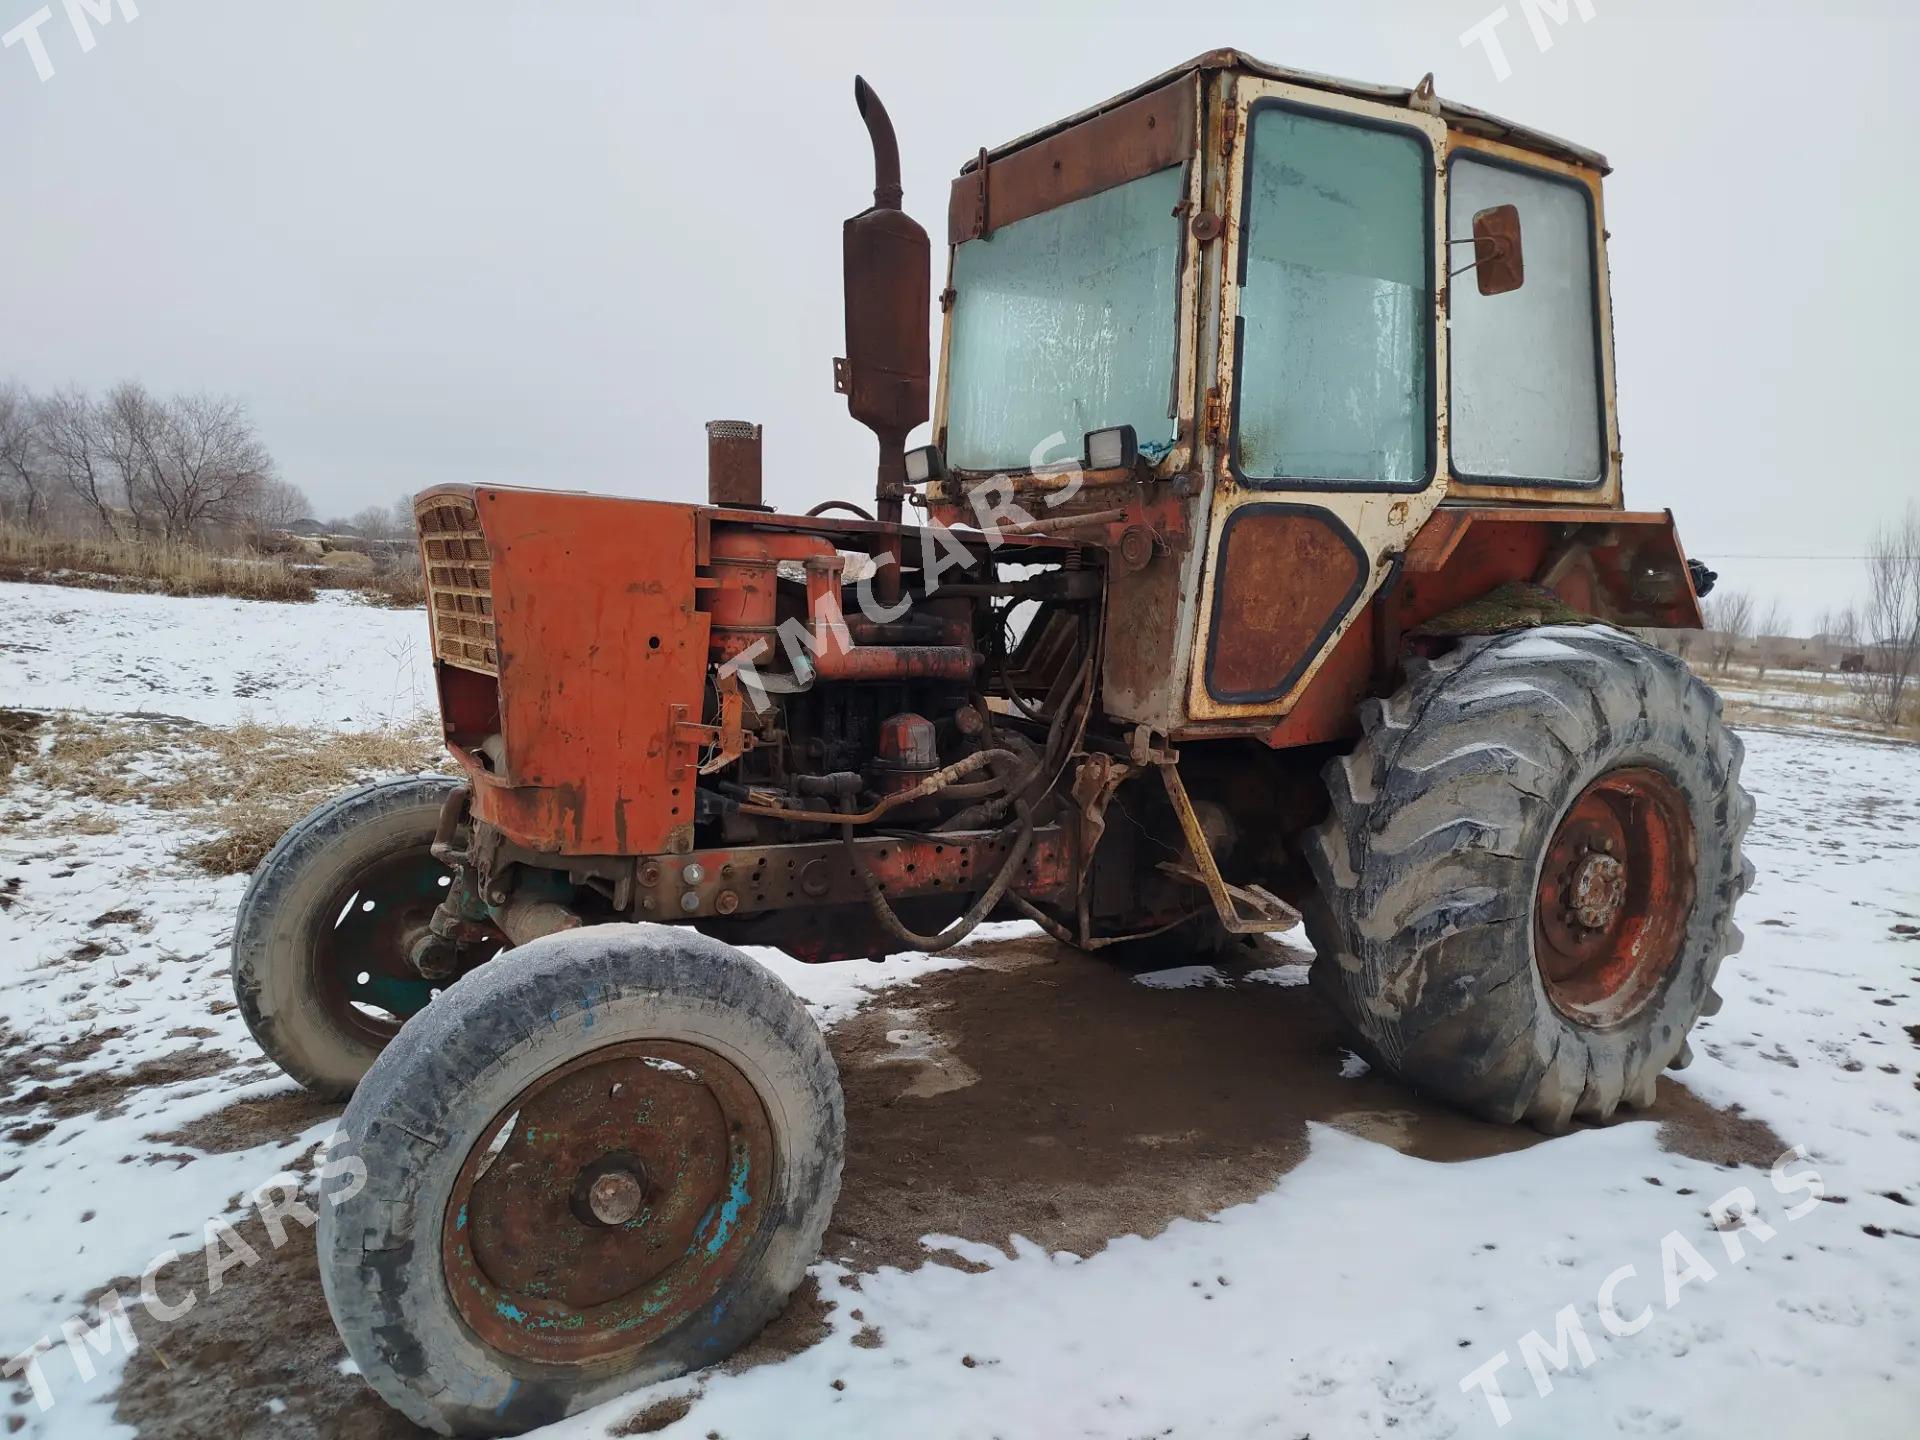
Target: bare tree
(403, 522)
(1831, 632)
(275, 505)
(205, 464)
(1729, 617)
(1889, 621)
(132, 423)
(23, 463)
(1769, 628)
(375, 522)
(73, 438)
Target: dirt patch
(247, 1123)
(1101, 1108)
(24, 1062)
(801, 1326)
(1104, 1108)
(656, 1416)
(219, 1370)
(103, 1090)
(1691, 1127)
(263, 1339)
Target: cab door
(1331, 381)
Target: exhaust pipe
(886, 373)
(886, 148)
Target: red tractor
(1270, 561)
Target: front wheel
(323, 942)
(602, 1165)
(1527, 877)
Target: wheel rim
(1614, 895)
(362, 962)
(609, 1202)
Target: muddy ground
(1038, 1093)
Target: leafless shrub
(1888, 680)
(398, 581)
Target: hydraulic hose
(976, 912)
(932, 785)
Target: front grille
(459, 583)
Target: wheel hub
(611, 1191)
(609, 1202)
(1598, 890)
(362, 959)
(1615, 890)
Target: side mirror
(1499, 264)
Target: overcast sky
(541, 243)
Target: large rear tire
(600, 1165)
(1527, 877)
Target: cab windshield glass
(1064, 322)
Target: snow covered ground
(336, 662)
(1352, 1296)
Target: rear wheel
(323, 942)
(1527, 877)
(601, 1166)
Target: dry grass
(1797, 698)
(399, 585)
(247, 784)
(151, 566)
(18, 729)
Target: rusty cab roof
(1460, 117)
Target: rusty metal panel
(600, 651)
(1143, 135)
(1623, 567)
(1288, 574)
(1462, 117)
(748, 880)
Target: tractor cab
(1275, 319)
